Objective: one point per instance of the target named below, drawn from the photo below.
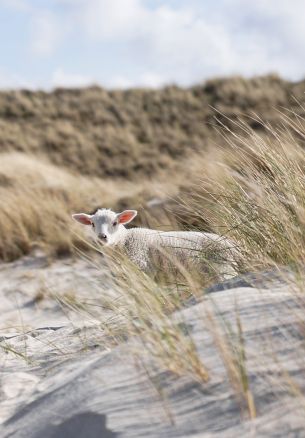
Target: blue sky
(127, 43)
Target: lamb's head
(106, 224)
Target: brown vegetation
(78, 149)
(75, 150)
(135, 132)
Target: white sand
(64, 383)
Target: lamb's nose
(102, 236)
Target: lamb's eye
(93, 225)
(114, 224)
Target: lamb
(144, 246)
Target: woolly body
(151, 249)
(146, 248)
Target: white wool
(146, 247)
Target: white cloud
(60, 78)
(146, 80)
(177, 44)
(18, 5)
(161, 43)
(104, 19)
(119, 81)
(151, 80)
(186, 45)
(10, 81)
(46, 33)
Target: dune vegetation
(254, 193)
(226, 156)
(72, 150)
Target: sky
(147, 43)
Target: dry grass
(75, 150)
(256, 195)
(134, 133)
(253, 191)
(37, 200)
(146, 310)
(163, 142)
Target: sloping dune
(61, 381)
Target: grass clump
(147, 308)
(72, 150)
(258, 197)
(37, 200)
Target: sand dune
(61, 381)
(91, 351)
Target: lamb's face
(106, 224)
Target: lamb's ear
(126, 216)
(83, 218)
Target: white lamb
(207, 252)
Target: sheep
(143, 246)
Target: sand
(60, 378)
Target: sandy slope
(64, 383)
